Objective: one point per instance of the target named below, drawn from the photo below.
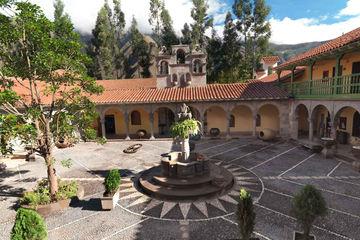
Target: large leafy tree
(103, 44)
(168, 35)
(230, 52)
(141, 52)
(214, 58)
(186, 34)
(155, 17)
(48, 69)
(254, 31)
(201, 22)
(119, 26)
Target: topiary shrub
(246, 215)
(112, 182)
(308, 205)
(29, 225)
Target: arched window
(174, 78)
(197, 66)
(232, 121)
(135, 118)
(258, 120)
(180, 56)
(188, 78)
(164, 68)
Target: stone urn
(267, 134)
(356, 153)
(214, 132)
(329, 147)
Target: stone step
(177, 182)
(172, 193)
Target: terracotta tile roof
(139, 83)
(212, 92)
(341, 41)
(285, 74)
(270, 59)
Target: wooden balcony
(342, 87)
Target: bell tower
(181, 67)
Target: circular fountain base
(216, 182)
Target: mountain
(287, 51)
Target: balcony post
(103, 128)
(127, 122)
(292, 78)
(310, 69)
(336, 79)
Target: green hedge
(41, 194)
(29, 225)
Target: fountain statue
(185, 174)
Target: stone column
(126, 117)
(151, 117)
(254, 125)
(228, 117)
(333, 127)
(202, 121)
(103, 129)
(311, 129)
(294, 127)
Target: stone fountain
(185, 174)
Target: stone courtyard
(272, 171)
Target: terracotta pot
(267, 134)
(214, 132)
(109, 203)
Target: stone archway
(321, 120)
(243, 120)
(268, 117)
(215, 117)
(347, 121)
(163, 119)
(114, 122)
(302, 121)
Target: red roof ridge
(330, 45)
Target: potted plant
(182, 130)
(111, 195)
(308, 205)
(246, 215)
(28, 225)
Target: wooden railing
(342, 87)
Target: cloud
(352, 8)
(293, 31)
(84, 12)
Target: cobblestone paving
(273, 172)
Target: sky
(292, 21)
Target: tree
(230, 52)
(214, 58)
(308, 204)
(168, 35)
(156, 8)
(141, 51)
(246, 215)
(51, 74)
(103, 44)
(186, 34)
(201, 22)
(254, 31)
(119, 25)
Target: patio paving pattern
(272, 171)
